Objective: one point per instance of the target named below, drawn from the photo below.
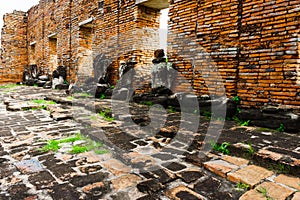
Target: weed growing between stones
(42, 104)
(102, 96)
(85, 94)
(87, 145)
(280, 128)
(242, 187)
(236, 99)
(147, 103)
(71, 98)
(8, 86)
(262, 129)
(280, 168)
(101, 151)
(43, 107)
(171, 109)
(207, 114)
(249, 152)
(106, 114)
(241, 122)
(223, 148)
(52, 145)
(41, 101)
(264, 192)
(78, 149)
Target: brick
(251, 195)
(116, 167)
(251, 175)
(296, 196)
(268, 38)
(289, 181)
(126, 181)
(235, 160)
(274, 191)
(220, 167)
(182, 192)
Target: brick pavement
(134, 167)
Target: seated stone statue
(128, 69)
(161, 70)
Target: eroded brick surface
(252, 44)
(270, 190)
(220, 167)
(250, 175)
(289, 181)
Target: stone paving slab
(268, 190)
(251, 175)
(220, 167)
(139, 167)
(289, 181)
(296, 196)
(183, 192)
(235, 160)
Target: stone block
(220, 167)
(126, 181)
(251, 175)
(293, 182)
(183, 192)
(268, 190)
(235, 160)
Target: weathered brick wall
(269, 53)
(14, 47)
(252, 45)
(82, 30)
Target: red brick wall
(254, 45)
(250, 47)
(269, 55)
(116, 29)
(14, 47)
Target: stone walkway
(135, 164)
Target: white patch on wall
(163, 31)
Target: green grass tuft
(41, 101)
(171, 109)
(78, 149)
(147, 103)
(223, 148)
(281, 128)
(8, 86)
(242, 187)
(106, 115)
(101, 151)
(71, 98)
(84, 94)
(72, 139)
(88, 145)
(52, 145)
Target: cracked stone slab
(125, 181)
(220, 167)
(289, 181)
(273, 191)
(251, 175)
(182, 192)
(116, 167)
(190, 175)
